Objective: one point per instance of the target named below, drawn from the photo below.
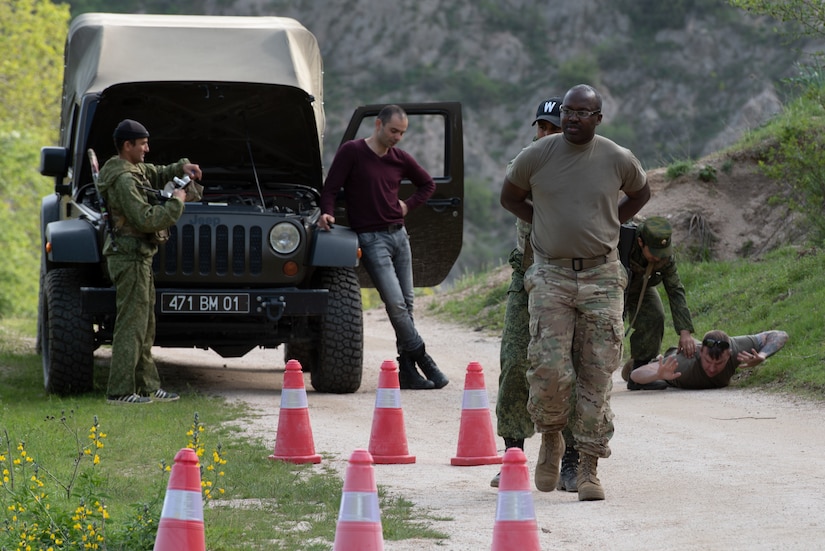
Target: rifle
(104, 212)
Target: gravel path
(691, 470)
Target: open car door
(436, 139)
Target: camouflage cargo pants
(589, 304)
(649, 327)
(513, 420)
(133, 369)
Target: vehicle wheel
(67, 337)
(303, 351)
(340, 346)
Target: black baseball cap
(549, 110)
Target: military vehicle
(244, 267)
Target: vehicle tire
(303, 352)
(67, 336)
(339, 352)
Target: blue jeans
(388, 260)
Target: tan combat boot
(590, 489)
(547, 468)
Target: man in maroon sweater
(370, 172)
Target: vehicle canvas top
(219, 85)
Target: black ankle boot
(633, 385)
(428, 367)
(569, 470)
(508, 443)
(409, 377)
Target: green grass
(474, 301)
(783, 290)
(265, 504)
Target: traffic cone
(476, 441)
(359, 518)
(388, 439)
(181, 520)
(515, 526)
(294, 443)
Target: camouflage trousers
(649, 327)
(588, 305)
(133, 369)
(513, 420)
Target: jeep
(245, 266)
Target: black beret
(130, 130)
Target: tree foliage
(30, 82)
(30, 88)
(808, 16)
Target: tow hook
(273, 307)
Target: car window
(425, 140)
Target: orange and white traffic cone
(476, 441)
(359, 518)
(294, 442)
(181, 520)
(515, 526)
(388, 439)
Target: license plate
(204, 303)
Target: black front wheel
(66, 336)
(335, 354)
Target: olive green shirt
(664, 272)
(135, 212)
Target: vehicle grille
(206, 250)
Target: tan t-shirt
(575, 191)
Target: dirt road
(708, 470)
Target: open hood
(231, 93)
(230, 129)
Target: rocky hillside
(680, 79)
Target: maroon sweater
(371, 185)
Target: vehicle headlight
(284, 238)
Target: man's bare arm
(660, 369)
(632, 203)
(515, 199)
(769, 342)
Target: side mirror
(54, 161)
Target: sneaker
(128, 399)
(496, 479)
(161, 395)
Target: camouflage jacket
(665, 272)
(136, 212)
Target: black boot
(569, 470)
(508, 443)
(633, 385)
(408, 375)
(428, 367)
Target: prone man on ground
(717, 361)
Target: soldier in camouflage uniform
(127, 186)
(652, 263)
(576, 283)
(514, 423)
